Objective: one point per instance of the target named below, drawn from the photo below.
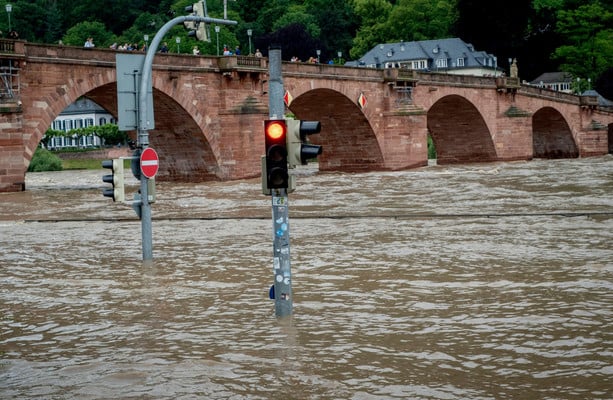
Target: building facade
(80, 114)
(451, 55)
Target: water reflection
(480, 282)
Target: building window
(441, 63)
(460, 62)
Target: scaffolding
(9, 71)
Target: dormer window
(436, 49)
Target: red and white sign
(287, 98)
(362, 101)
(149, 162)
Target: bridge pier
(13, 165)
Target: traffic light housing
(275, 138)
(198, 28)
(117, 193)
(299, 151)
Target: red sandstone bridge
(209, 113)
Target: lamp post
(9, 8)
(217, 28)
(178, 40)
(318, 54)
(146, 37)
(495, 66)
(340, 55)
(249, 33)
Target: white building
(80, 114)
(452, 56)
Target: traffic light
(275, 135)
(117, 193)
(198, 28)
(298, 149)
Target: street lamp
(146, 37)
(217, 28)
(249, 33)
(178, 40)
(340, 55)
(9, 8)
(318, 54)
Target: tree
(499, 28)
(588, 32)
(604, 84)
(413, 20)
(77, 35)
(371, 14)
(298, 15)
(51, 133)
(110, 134)
(294, 41)
(338, 24)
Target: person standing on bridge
(89, 42)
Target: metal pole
(144, 123)
(280, 212)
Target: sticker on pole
(149, 162)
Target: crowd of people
(195, 51)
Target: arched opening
(551, 135)
(349, 143)
(459, 132)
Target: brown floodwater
(487, 281)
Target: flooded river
(488, 281)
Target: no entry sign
(149, 162)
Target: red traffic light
(275, 134)
(275, 130)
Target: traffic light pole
(280, 212)
(144, 121)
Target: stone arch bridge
(209, 113)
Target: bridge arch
(348, 139)
(552, 137)
(54, 101)
(459, 132)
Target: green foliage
(372, 15)
(44, 160)
(413, 20)
(78, 34)
(588, 30)
(109, 133)
(298, 15)
(431, 149)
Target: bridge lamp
(340, 56)
(9, 8)
(146, 37)
(249, 33)
(178, 40)
(217, 28)
(318, 54)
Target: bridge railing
(242, 62)
(7, 46)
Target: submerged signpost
(281, 292)
(145, 122)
